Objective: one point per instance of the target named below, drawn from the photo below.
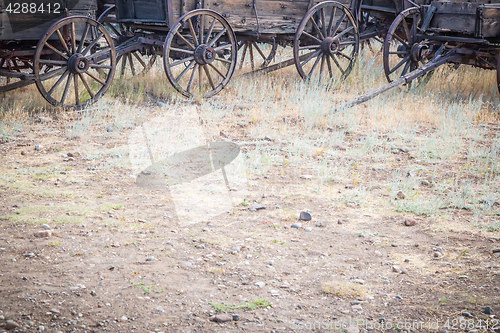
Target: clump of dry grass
(216, 270)
(343, 288)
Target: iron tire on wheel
(86, 65)
(126, 61)
(212, 53)
(333, 42)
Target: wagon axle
(78, 64)
(204, 54)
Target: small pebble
(222, 318)
(438, 254)
(319, 224)
(308, 229)
(487, 310)
(410, 222)
(297, 225)
(305, 216)
(150, 259)
(236, 317)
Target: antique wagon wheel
(251, 50)
(200, 53)
(327, 38)
(17, 67)
(403, 52)
(76, 56)
(131, 62)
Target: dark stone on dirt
(297, 225)
(253, 208)
(410, 222)
(398, 297)
(487, 310)
(37, 147)
(466, 314)
(305, 216)
(70, 155)
(407, 260)
(438, 254)
(439, 249)
(319, 224)
(11, 325)
(400, 195)
(236, 317)
(394, 245)
(222, 318)
(496, 250)
(381, 320)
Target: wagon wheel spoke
(337, 26)
(315, 54)
(66, 72)
(75, 84)
(316, 39)
(323, 23)
(318, 58)
(132, 67)
(188, 67)
(259, 50)
(216, 38)
(63, 42)
(318, 30)
(335, 61)
(329, 66)
(403, 61)
(124, 65)
(330, 24)
(252, 65)
(192, 77)
(245, 46)
(207, 73)
(82, 40)
(345, 31)
(66, 88)
(209, 31)
(91, 93)
(193, 33)
(217, 70)
(322, 64)
(188, 43)
(207, 49)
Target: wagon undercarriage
(75, 61)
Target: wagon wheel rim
(73, 69)
(204, 41)
(326, 43)
(404, 51)
(254, 54)
(133, 62)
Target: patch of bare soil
(119, 259)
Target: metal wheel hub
(330, 45)
(419, 51)
(204, 54)
(78, 64)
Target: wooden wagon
(199, 40)
(57, 45)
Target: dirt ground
(120, 258)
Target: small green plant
(250, 305)
(442, 300)
(244, 203)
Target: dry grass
(215, 270)
(343, 289)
